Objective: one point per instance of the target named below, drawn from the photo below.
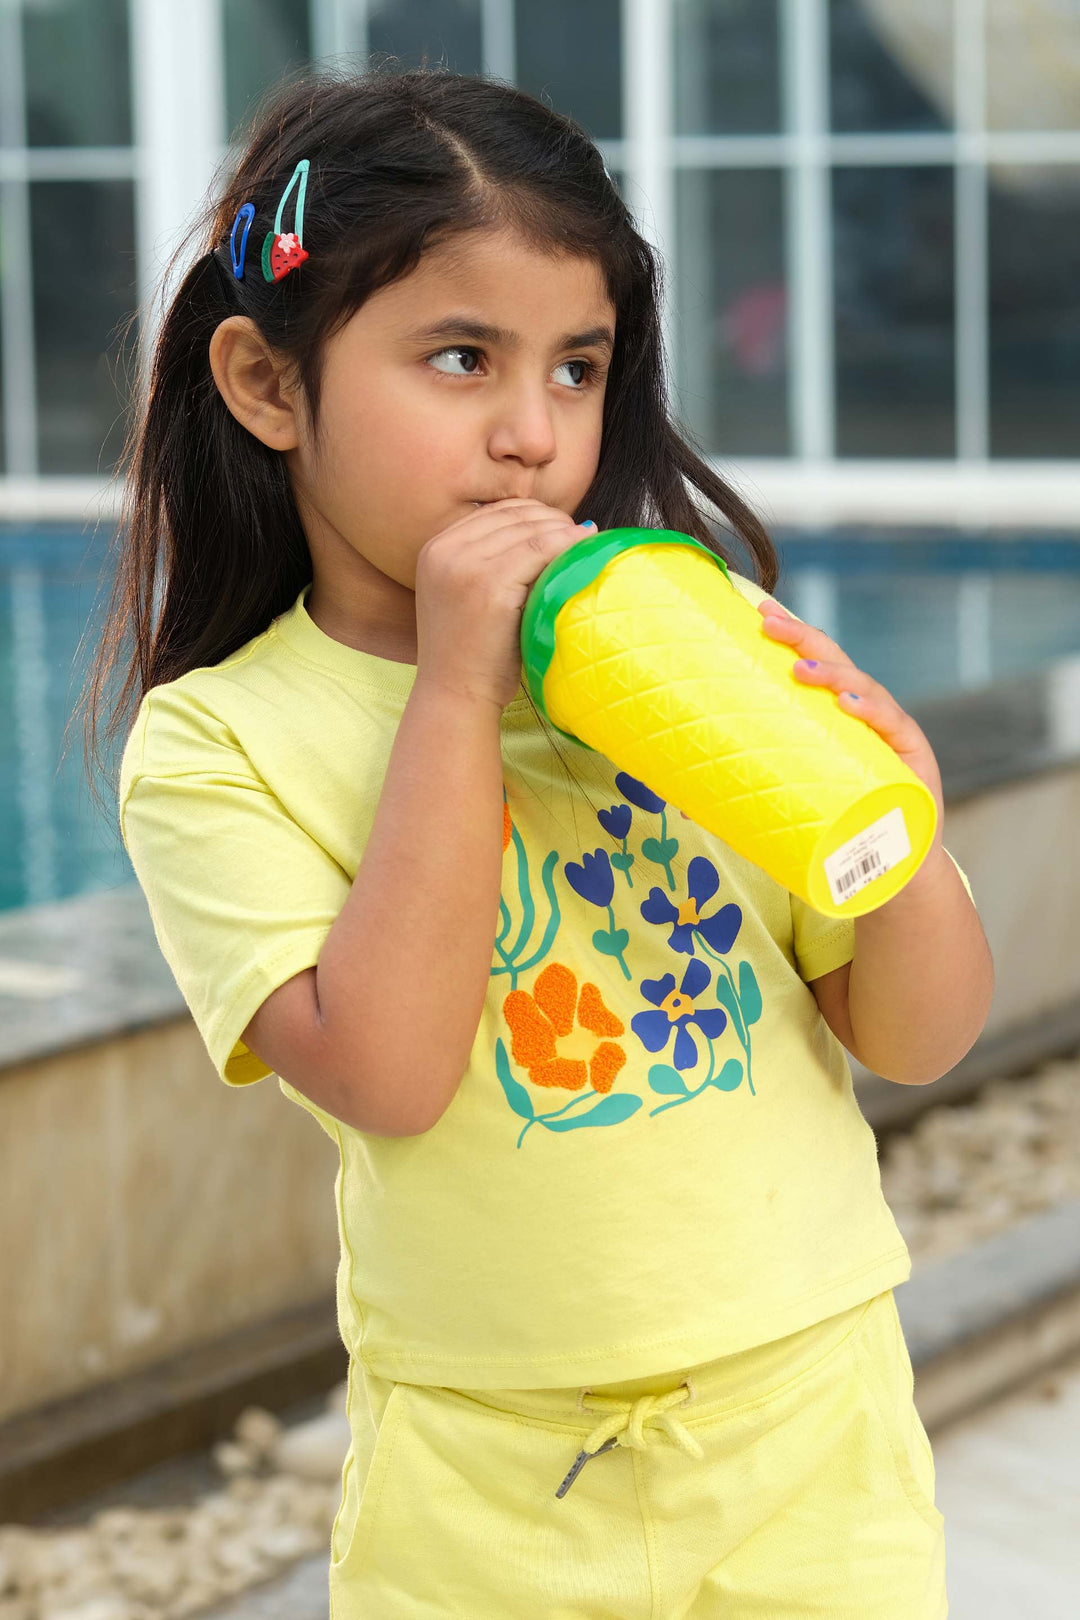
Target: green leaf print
(613, 943)
(665, 1079)
(660, 850)
(725, 995)
(749, 994)
(610, 1110)
(510, 959)
(516, 1095)
(730, 1076)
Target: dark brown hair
(210, 547)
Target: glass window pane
(570, 55)
(264, 40)
(1032, 65)
(1034, 314)
(427, 32)
(891, 65)
(78, 90)
(83, 244)
(727, 78)
(893, 288)
(730, 329)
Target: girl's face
(422, 415)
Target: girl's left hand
(859, 695)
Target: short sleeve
(823, 943)
(240, 896)
(820, 943)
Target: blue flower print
(593, 879)
(616, 822)
(638, 793)
(675, 1011)
(595, 882)
(702, 881)
(662, 850)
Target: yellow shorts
(788, 1481)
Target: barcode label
(870, 854)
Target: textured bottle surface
(664, 667)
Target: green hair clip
(283, 252)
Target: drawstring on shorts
(625, 1425)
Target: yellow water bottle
(636, 644)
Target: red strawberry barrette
(282, 253)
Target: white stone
(105, 1608)
(257, 1430)
(314, 1450)
(234, 1459)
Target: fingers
(822, 663)
(842, 678)
(805, 639)
(484, 521)
(541, 542)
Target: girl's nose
(524, 427)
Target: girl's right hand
(472, 582)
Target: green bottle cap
(573, 571)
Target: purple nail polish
(854, 695)
(811, 663)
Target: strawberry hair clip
(281, 251)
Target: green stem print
(510, 957)
(662, 850)
(666, 1080)
(594, 881)
(613, 941)
(743, 1006)
(622, 863)
(610, 1109)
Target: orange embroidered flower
(540, 1021)
(507, 825)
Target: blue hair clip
(247, 214)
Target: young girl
(616, 1269)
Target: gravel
(963, 1173)
(279, 1492)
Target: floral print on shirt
(562, 1033)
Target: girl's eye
(441, 352)
(588, 370)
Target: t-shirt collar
(299, 631)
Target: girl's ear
(251, 381)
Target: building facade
(869, 212)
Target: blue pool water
(925, 615)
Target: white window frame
(178, 84)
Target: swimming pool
(927, 613)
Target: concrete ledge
(81, 970)
(980, 1321)
(70, 1448)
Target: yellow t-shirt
(655, 1156)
